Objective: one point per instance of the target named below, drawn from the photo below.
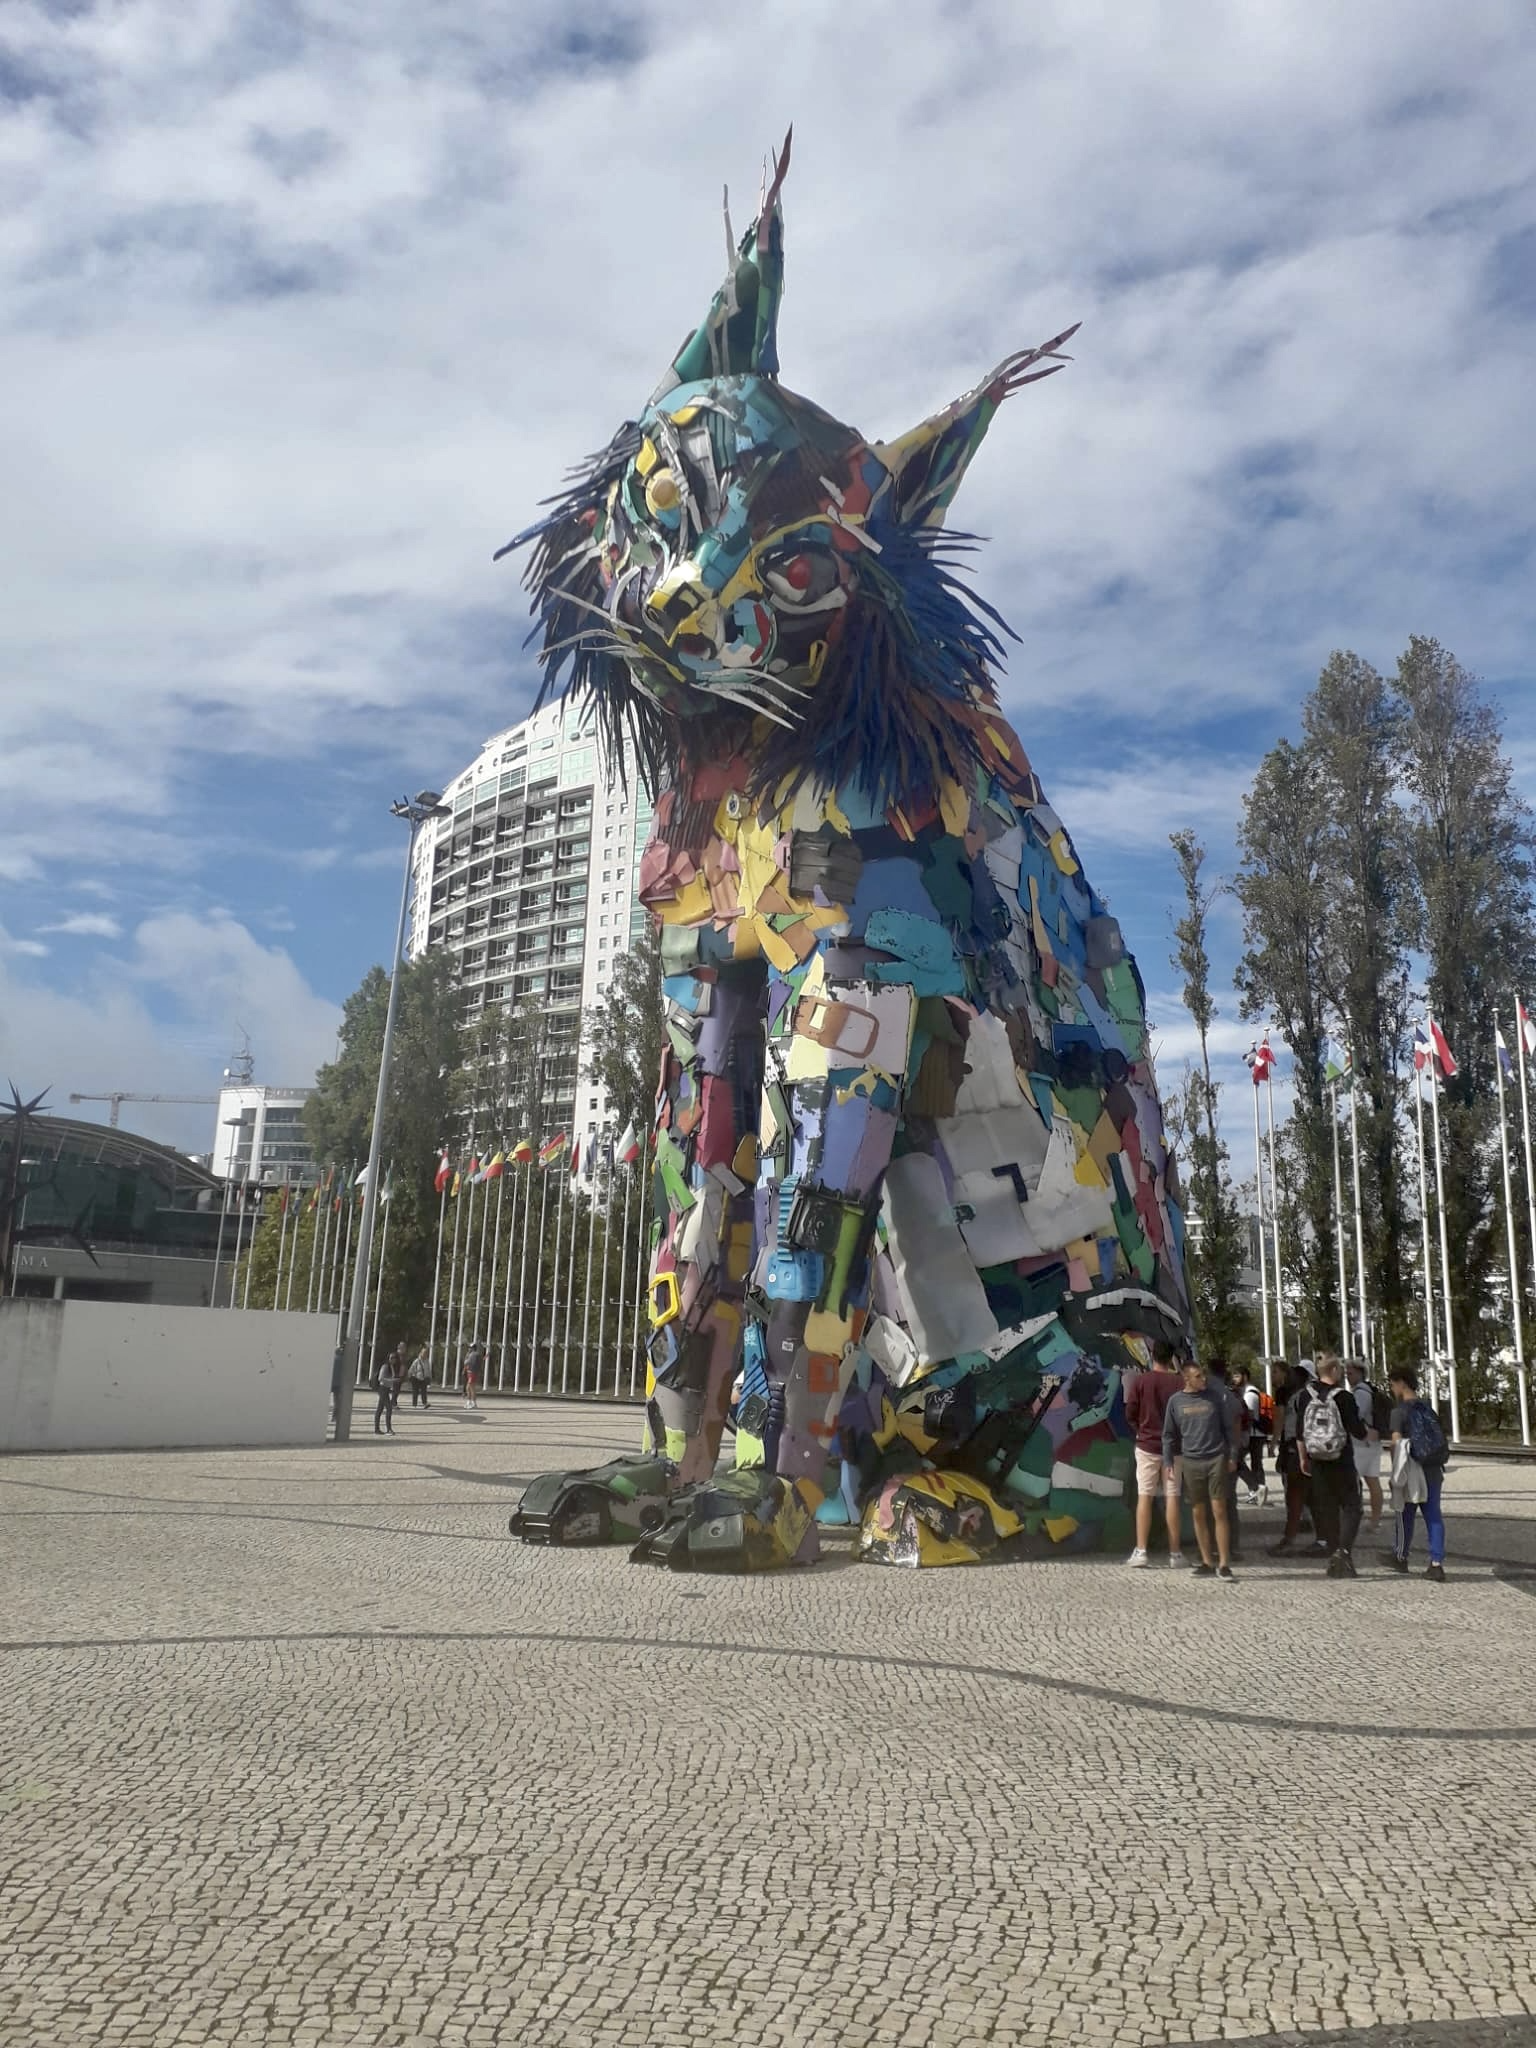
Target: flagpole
(1514, 1262)
(506, 1296)
(450, 1371)
(378, 1297)
(586, 1292)
(1354, 1166)
(554, 1276)
(437, 1274)
(1525, 1129)
(1428, 1257)
(490, 1299)
(642, 1271)
(572, 1197)
(602, 1284)
(282, 1245)
(1338, 1223)
(538, 1285)
(618, 1324)
(468, 1188)
(485, 1217)
(293, 1257)
(250, 1259)
(1274, 1217)
(522, 1284)
(344, 1262)
(317, 1242)
(1445, 1242)
(1258, 1181)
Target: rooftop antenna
(241, 1070)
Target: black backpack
(1381, 1408)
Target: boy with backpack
(1376, 1413)
(1419, 1452)
(1330, 1426)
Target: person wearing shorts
(1147, 1396)
(1198, 1428)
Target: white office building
(259, 1136)
(531, 885)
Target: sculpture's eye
(661, 492)
(801, 577)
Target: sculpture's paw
(615, 1503)
(745, 1521)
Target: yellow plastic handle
(665, 1299)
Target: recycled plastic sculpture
(910, 1176)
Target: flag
(550, 1152)
(1334, 1069)
(1527, 1028)
(1443, 1052)
(389, 1186)
(1422, 1050)
(522, 1152)
(454, 1187)
(1506, 1064)
(492, 1168)
(443, 1175)
(1260, 1060)
(472, 1171)
(576, 1159)
(627, 1151)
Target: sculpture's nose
(684, 612)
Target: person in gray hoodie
(1198, 1428)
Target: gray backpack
(1322, 1430)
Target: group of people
(394, 1374)
(1201, 1429)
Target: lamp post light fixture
(417, 811)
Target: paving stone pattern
(300, 1748)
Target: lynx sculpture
(910, 1178)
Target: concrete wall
(90, 1375)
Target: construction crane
(119, 1096)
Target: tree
(1471, 840)
(1283, 884)
(1215, 1243)
(1353, 737)
(627, 1032)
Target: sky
(304, 307)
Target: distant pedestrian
(1376, 1413)
(1253, 1469)
(1330, 1427)
(419, 1374)
(1222, 1390)
(387, 1382)
(1147, 1395)
(474, 1373)
(1196, 1427)
(1295, 1392)
(1419, 1452)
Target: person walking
(1295, 1391)
(419, 1373)
(1376, 1413)
(387, 1381)
(1330, 1428)
(1221, 1389)
(1253, 1473)
(1147, 1395)
(1197, 1428)
(1419, 1452)
(474, 1372)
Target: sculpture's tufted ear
(928, 463)
(740, 332)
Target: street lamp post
(417, 810)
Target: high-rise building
(530, 884)
(259, 1133)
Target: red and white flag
(1527, 1028)
(627, 1151)
(1261, 1060)
(443, 1175)
(1443, 1052)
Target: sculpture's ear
(927, 464)
(740, 332)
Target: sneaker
(1226, 1572)
(1282, 1548)
(1176, 1559)
(1138, 1560)
(1437, 1573)
(1264, 1495)
(1318, 1549)
(1399, 1564)
(1203, 1571)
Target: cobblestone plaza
(301, 1747)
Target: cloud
(163, 1019)
(308, 391)
(87, 924)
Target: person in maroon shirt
(1147, 1395)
